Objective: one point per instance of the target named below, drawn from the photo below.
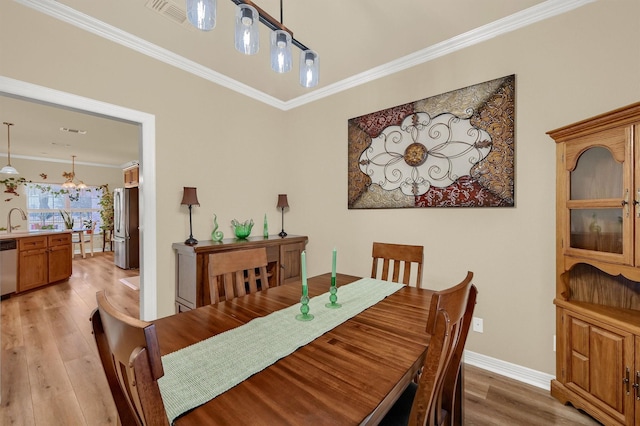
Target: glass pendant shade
(202, 14)
(8, 169)
(309, 68)
(280, 51)
(247, 32)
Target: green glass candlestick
(333, 296)
(304, 309)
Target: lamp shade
(282, 201)
(247, 33)
(280, 51)
(309, 68)
(202, 14)
(190, 197)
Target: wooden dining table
(350, 375)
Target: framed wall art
(451, 150)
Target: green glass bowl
(242, 230)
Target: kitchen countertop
(24, 234)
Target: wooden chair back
(396, 258)
(233, 274)
(130, 356)
(448, 323)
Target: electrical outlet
(477, 325)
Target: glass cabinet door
(596, 194)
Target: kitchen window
(46, 201)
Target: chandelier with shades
(202, 15)
(70, 184)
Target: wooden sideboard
(192, 264)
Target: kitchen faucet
(22, 213)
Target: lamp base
(191, 241)
(282, 234)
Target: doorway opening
(146, 122)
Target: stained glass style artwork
(451, 150)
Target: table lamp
(190, 198)
(282, 203)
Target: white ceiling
(357, 40)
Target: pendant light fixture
(202, 14)
(247, 32)
(70, 184)
(8, 169)
(280, 51)
(309, 68)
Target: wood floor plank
(60, 409)
(47, 374)
(11, 330)
(15, 406)
(90, 386)
(508, 402)
(51, 373)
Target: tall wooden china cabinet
(598, 266)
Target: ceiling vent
(171, 10)
(68, 130)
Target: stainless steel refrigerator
(126, 238)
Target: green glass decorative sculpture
(216, 235)
(265, 229)
(242, 230)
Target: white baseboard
(513, 371)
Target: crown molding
(64, 161)
(539, 12)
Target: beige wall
(241, 154)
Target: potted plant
(88, 225)
(66, 217)
(106, 211)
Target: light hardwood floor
(51, 374)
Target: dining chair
(432, 400)
(396, 258)
(233, 274)
(130, 356)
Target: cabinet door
(599, 360)
(636, 381)
(599, 222)
(59, 262)
(290, 270)
(32, 267)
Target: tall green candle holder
(333, 296)
(304, 314)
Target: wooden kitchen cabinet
(598, 266)
(43, 259)
(192, 264)
(131, 176)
